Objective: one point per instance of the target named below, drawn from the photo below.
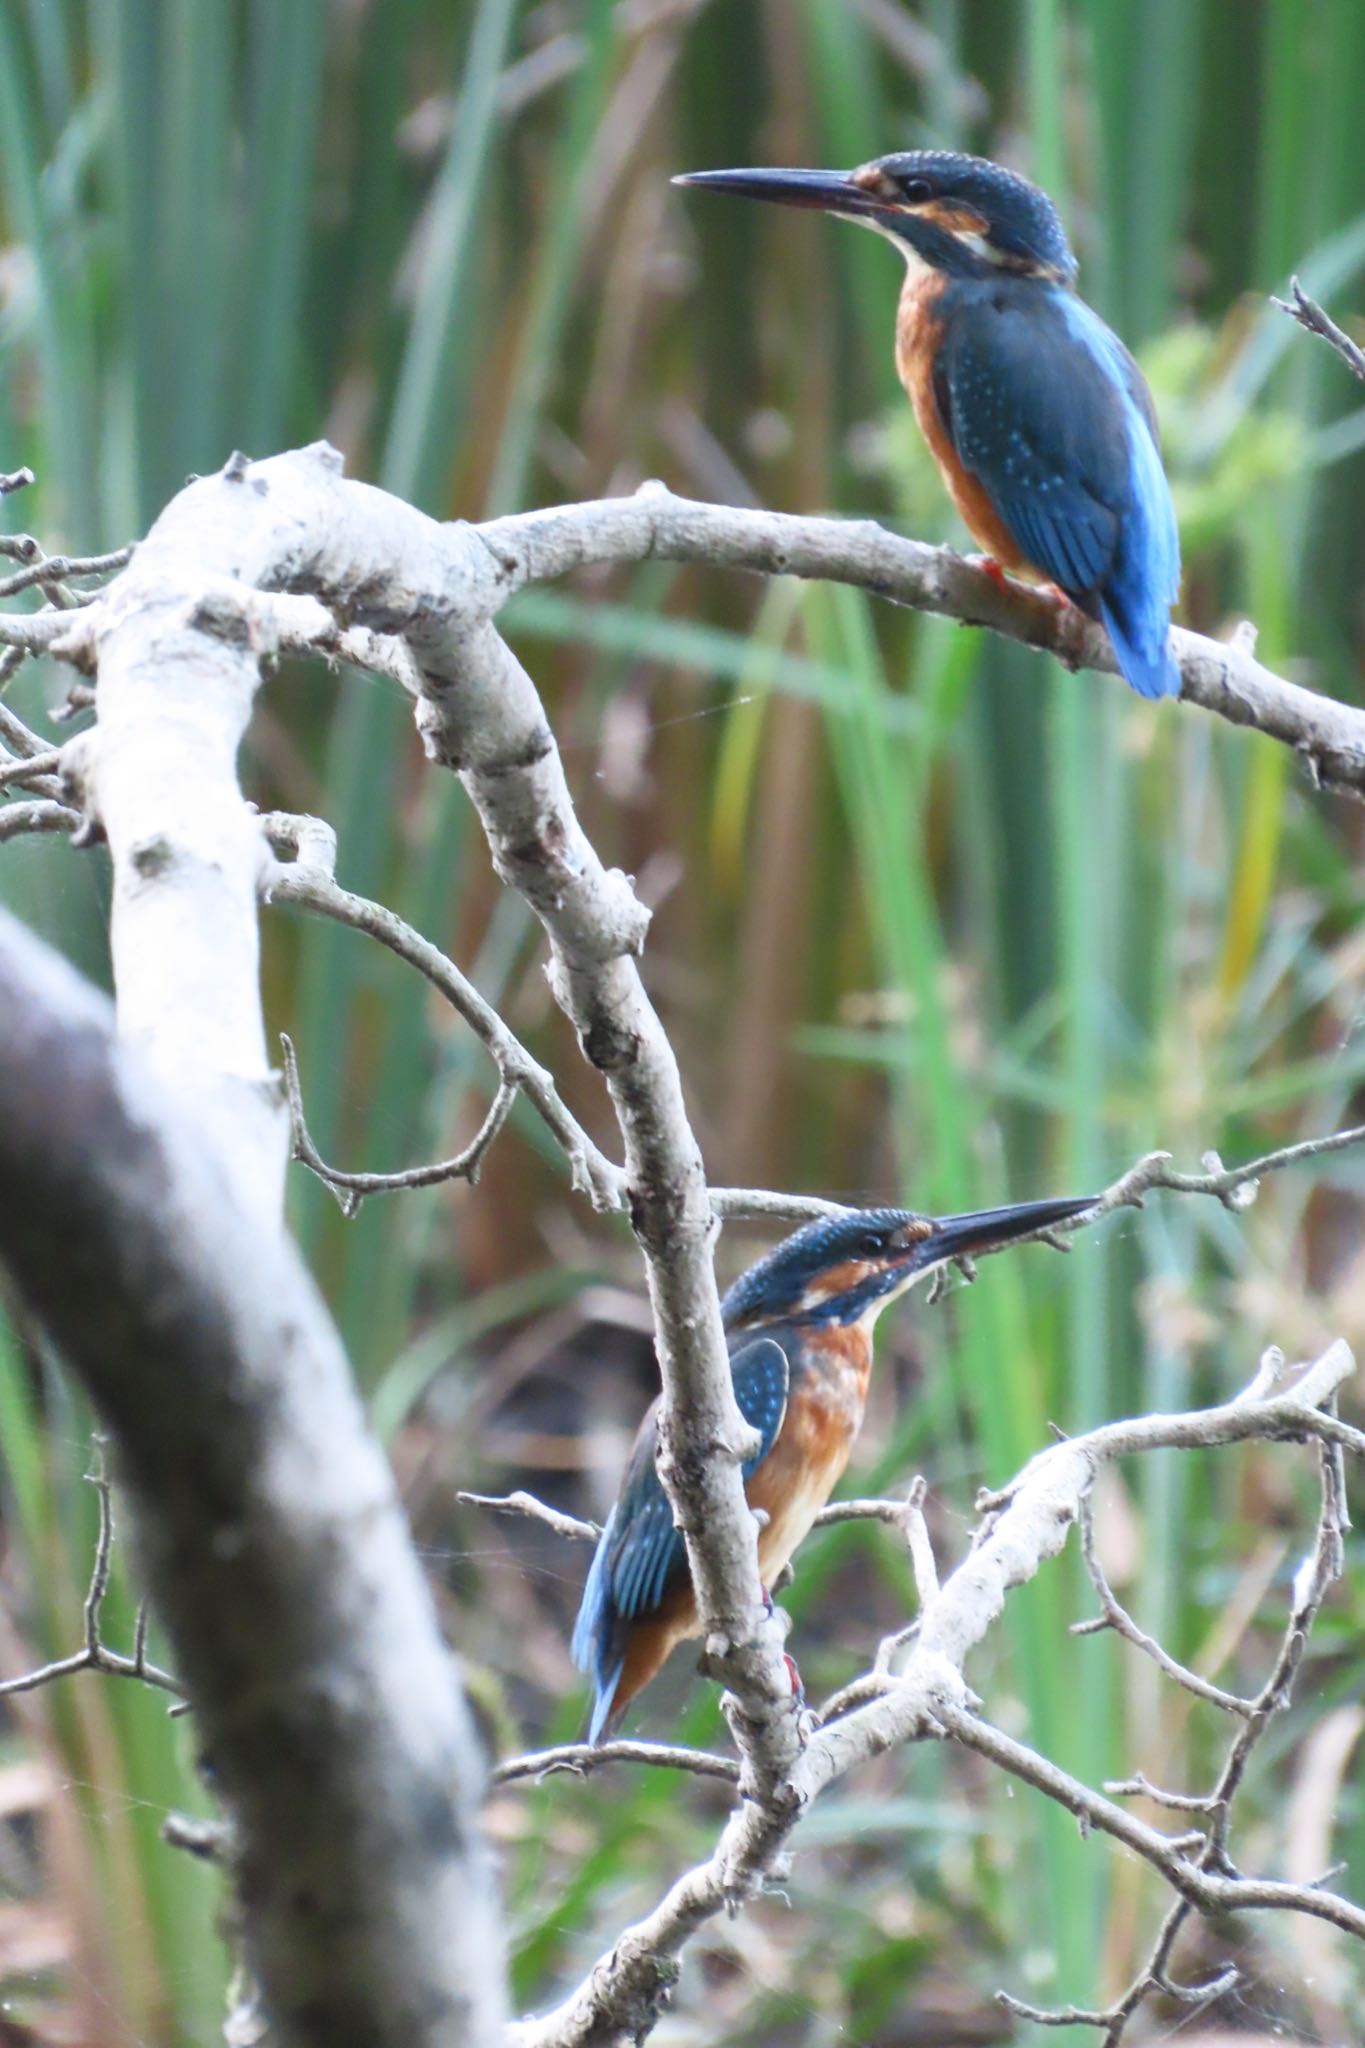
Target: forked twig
(94, 1653)
(350, 1189)
(1311, 316)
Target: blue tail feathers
(592, 1648)
(1150, 670)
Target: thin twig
(98, 1477)
(874, 1510)
(1235, 1186)
(38, 816)
(1320, 1570)
(45, 570)
(536, 1510)
(1311, 316)
(1115, 1616)
(922, 1560)
(351, 1189)
(1141, 1787)
(18, 737)
(140, 1626)
(94, 1654)
(37, 768)
(584, 1757)
(1208, 1890)
(308, 881)
(11, 661)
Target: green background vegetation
(935, 920)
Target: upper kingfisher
(799, 1328)
(1039, 419)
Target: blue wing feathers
(1049, 411)
(762, 1377)
(640, 1555)
(593, 1631)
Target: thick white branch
(178, 647)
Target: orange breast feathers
(824, 1414)
(918, 331)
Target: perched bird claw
(988, 566)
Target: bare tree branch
(39, 768)
(1236, 1187)
(1233, 1186)
(50, 632)
(536, 1511)
(1113, 1615)
(268, 1528)
(38, 816)
(309, 882)
(535, 547)
(294, 522)
(1312, 1583)
(49, 572)
(94, 1654)
(351, 1189)
(18, 737)
(473, 571)
(1027, 1522)
(580, 1758)
(285, 555)
(1311, 316)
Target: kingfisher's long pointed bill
(825, 191)
(957, 1237)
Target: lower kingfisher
(799, 1327)
(1037, 416)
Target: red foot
(988, 566)
(798, 1689)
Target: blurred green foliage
(934, 919)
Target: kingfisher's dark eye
(916, 191)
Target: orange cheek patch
(839, 1279)
(957, 220)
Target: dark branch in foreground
(268, 1530)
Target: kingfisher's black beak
(824, 191)
(958, 1237)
